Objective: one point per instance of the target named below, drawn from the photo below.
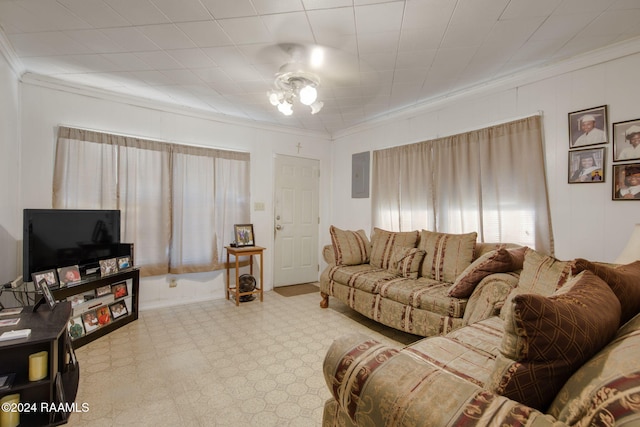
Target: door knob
(278, 227)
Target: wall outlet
(173, 283)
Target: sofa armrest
(489, 296)
(374, 384)
(328, 254)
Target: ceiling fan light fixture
(308, 95)
(316, 107)
(291, 83)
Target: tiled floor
(215, 364)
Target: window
(177, 203)
(491, 181)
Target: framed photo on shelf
(76, 329)
(103, 290)
(49, 277)
(626, 181)
(90, 321)
(69, 275)
(118, 309)
(104, 315)
(123, 262)
(588, 127)
(587, 166)
(108, 266)
(243, 233)
(626, 140)
(119, 290)
(46, 293)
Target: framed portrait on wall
(587, 166)
(588, 127)
(626, 140)
(626, 181)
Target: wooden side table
(249, 251)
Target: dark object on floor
(294, 290)
(247, 283)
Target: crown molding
(10, 55)
(533, 75)
(155, 105)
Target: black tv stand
(130, 276)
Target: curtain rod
(164, 141)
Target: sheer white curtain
(491, 181)
(176, 202)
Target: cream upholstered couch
(567, 359)
(421, 282)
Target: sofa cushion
(541, 274)
(383, 242)
(546, 339)
(424, 294)
(406, 261)
(447, 254)
(624, 282)
(498, 261)
(350, 247)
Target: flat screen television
(55, 238)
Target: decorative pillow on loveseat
(406, 261)
(546, 339)
(501, 260)
(624, 281)
(447, 254)
(350, 247)
(383, 242)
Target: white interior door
(296, 220)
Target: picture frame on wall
(587, 166)
(243, 234)
(626, 140)
(588, 127)
(626, 181)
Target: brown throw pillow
(406, 261)
(546, 339)
(350, 247)
(624, 281)
(383, 243)
(498, 261)
(447, 254)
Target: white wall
(44, 108)
(10, 219)
(586, 222)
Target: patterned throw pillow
(498, 261)
(383, 242)
(541, 274)
(406, 261)
(624, 282)
(350, 247)
(447, 254)
(546, 339)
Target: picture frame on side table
(626, 140)
(626, 181)
(103, 290)
(76, 328)
(90, 321)
(108, 267)
(588, 127)
(243, 234)
(587, 166)
(46, 293)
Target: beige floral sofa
(563, 352)
(421, 282)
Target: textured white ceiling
(380, 56)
